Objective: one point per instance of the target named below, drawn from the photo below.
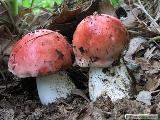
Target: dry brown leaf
(66, 15)
(151, 69)
(106, 8)
(145, 65)
(148, 67)
(155, 68)
(24, 11)
(68, 26)
(131, 20)
(89, 9)
(134, 45)
(152, 84)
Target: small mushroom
(98, 41)
(43, 54)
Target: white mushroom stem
(115, 83)
(54, 86)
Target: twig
(150, 17)
(155, 91)
(33, 21)
(3, 12)
(9, 13)
(155, 40)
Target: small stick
(145, 11)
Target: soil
(19, 98)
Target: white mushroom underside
(115, 86)
(54, 86)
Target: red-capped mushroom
(98, 41)
(42, 54)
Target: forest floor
(19, 98)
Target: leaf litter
(19, 99)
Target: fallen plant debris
(19, 97)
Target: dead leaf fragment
(66, 15)
(67, 21)
(134, 45)
(147, 66)
(24, 11)
(131, 20)
(106, 8)
(152, 84)
(145, 97)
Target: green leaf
(58, 1)
(14, 7)
(38, 4)
(26, 3)
(115, 3)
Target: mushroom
(42, 54)
(98, 41)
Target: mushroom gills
(54, 86)
(115, 83)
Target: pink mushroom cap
(39, 53)
(99, 40)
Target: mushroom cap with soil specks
(39, 53)
(99, 40)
